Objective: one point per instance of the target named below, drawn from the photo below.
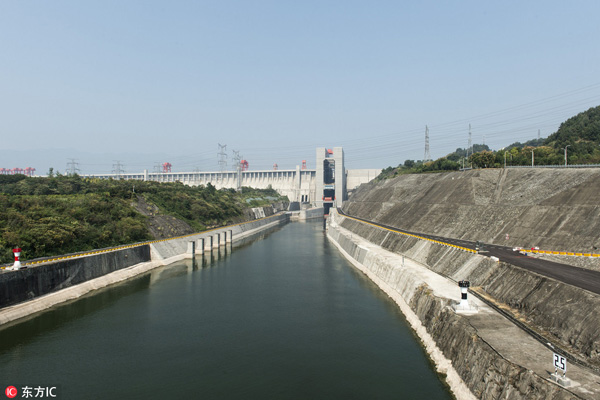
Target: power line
(507, 125)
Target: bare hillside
(556, 209)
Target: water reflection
(26, 329)
(23, 331)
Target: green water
(283, 316)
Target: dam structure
(331, 179)
(299, 185)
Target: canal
(283, 315)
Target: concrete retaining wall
(306, 214)
(35, 289)
(26, 284)
(172, 250)
(566, 315)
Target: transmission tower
(222, 157)
(427, 156)
(236, 156)
(72, 166)
(117, 169)
(470, 148)
(236, 160)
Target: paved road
(580, 277)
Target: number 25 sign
(560, 362)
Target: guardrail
(413, 235)
(560, 253)
(556, 166)
(93, 252)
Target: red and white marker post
(17, 264)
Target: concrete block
(465, 309)
(208, 243)
(561, 380)
(191, 247)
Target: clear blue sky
(145, 82)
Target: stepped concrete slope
(483, 355)
(555, 209)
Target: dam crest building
(326, 186)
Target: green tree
(483, 159)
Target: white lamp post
(566, 154)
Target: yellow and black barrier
(93, 252)
(413, 235)
(559, 253)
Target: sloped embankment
(478, 363)
(556, 209)
(566, 315)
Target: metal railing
(556, 166)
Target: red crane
(303, 164)
(275, 166)
(29, 171)
(166, 167)
(244, 165)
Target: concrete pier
(191, 247)
(208, 244)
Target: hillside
(556, 209)
(580, 135)
(68, 214)
(581, 131)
